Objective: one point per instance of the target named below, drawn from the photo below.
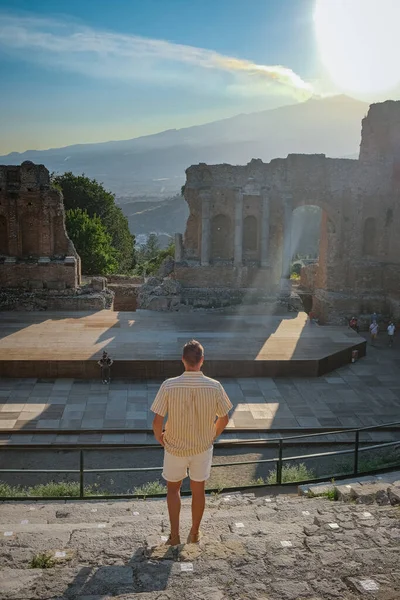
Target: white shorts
(176, 467)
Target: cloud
(102, 54)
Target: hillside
(167, 216)
(156, 164)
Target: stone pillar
(238, 243)
(14, 237)
(178, 247)
(264, 234)
(205, 228)
(287, 244)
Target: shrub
(291, 474)
(150, 488)
(48, 490)
(42, 561)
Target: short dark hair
(193, 352)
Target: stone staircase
(255, 548)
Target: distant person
(105, 363)
(374, 330)
(197, 409)
(374, 317)
(353, 323)
(391, 329)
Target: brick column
(178, 247)
(287, 243)
(264, 234)
(205, 228)
(238, 247)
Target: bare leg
(198, 505)
(174, 509)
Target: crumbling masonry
(238, 234)
(35, 250)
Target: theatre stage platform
(147, 344)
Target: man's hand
(158, 429)
(160, 440)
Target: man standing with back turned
(192, 401)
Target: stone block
(394, 495)
(56, 285)
(98, 284)
(43, 260)
(70, 261)
(382, 498)
(158, 303)
(35, 284)
(367, 493)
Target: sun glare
(359, 43)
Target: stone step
(383, 489)
(277, 547)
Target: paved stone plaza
(264, 548)
(360, 394)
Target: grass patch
(332, 495)
(42, 561)
(48, 490)
(291, 474)
(150, 488)
(217, 492)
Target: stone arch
(369, 237)
(3, 235)
(221, 238)
(250, 234)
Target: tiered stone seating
(259, 548)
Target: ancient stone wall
(35, 250)
(125, 296)
(238, 232)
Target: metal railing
(358, 447)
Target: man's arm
(158, 428)
(220, 425)
(224, 405)
(160, 409)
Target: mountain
(165, 216)
(155, 164)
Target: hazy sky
(81, 71)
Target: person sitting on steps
(198, 409)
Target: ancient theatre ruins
(238, 234)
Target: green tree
(92, 243)
(90, 196)
(149, 257)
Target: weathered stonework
(35, 250)
(238, 234)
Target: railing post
(81, 482)
(356, 445)
(279, 464)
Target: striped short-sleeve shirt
(192, 401)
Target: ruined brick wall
(32, 228)
(224, 276)
(56, 274)
(359, 258)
